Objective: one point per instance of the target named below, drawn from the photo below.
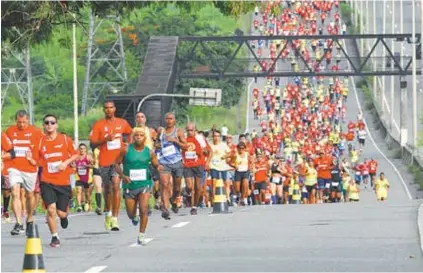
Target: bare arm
(119, 160)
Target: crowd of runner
(305, 150)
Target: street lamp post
(414, 74)
(392, 69)
(75, 85)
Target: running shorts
(194, 172)
(61, 195)
(27, 180)
(175, 169)
(107, 173)
(134, 193)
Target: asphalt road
(407, 28)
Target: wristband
(12, 154)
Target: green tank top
(136, 165)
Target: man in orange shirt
(23, 167)
(56, 151)
(323, 166)
(7, 153)
(107, 134)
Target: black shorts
(155, 175)
(239, 176)
(85, 185)
(285, 188)
(310, 188)
(96, 171)
(361, 141)
(61, 195)
(260, 186)
(196, 172)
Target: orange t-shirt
(52, 154)
(260, 174)
(6, 145)
(111, 149)
(323, 166)
(24, 141)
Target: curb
(420, 225)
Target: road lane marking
(96, 269)
(146, 242)
(407, 191)
(179, 225)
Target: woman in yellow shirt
(381, 187)
(353, 191)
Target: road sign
(205, 96)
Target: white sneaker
(141, 239)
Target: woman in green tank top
(136, 177)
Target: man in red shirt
(194, 161)
(323, 165)
(23, 169)
(373, 164)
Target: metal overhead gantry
(209, 65)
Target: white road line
(181, 224)
(371, 137)
(146, 241)
(96, 269)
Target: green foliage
(346, 12)
(51, 57)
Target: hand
(109, 137)
(62, 166)
(171, 139)
(160, 168)
(29, 156)
(126, 179)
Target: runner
(194, 161)
(7, 153)
(83, 165)
(136, 176)
(381, 187)
(23, 168)
(56, 152)
(242, 162)
(107, 134)
(172, 140)
(260, 170)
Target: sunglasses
(51, 122)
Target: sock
(55, 235)
(6, 203)
(98, 200)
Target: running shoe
(29, 228)
(86, 207)
(6, 217)
(108, 222)
(194, 211)
(64, 222)
(166, 214)
(141, 239)
(98, 211)
(175, 208)
(79, 209)
(17, 229)
(114, 224)
(135, 220)
(55, 242)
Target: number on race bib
(53, 166)
(190, 155)
(114, 144)
(276, 179)
(138, 175)
(327, 186)
(169, 150)
(256, 192)
(21, 151)
(82, 171)
(335, 184)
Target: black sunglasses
(47, 122)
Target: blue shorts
(215, 174)
(358, 179)
(321, 182)
(304, 195)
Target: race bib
(366, 172)
(256, 192)
(335, 184)
(242, 168)
(190, 155)
(215, 161)
(169, 150)
(114, 144)
(358, 173)
(52, 167)
(138, 175)
(276, 179)
(327, 186)
(21, 151)
(82, 171)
